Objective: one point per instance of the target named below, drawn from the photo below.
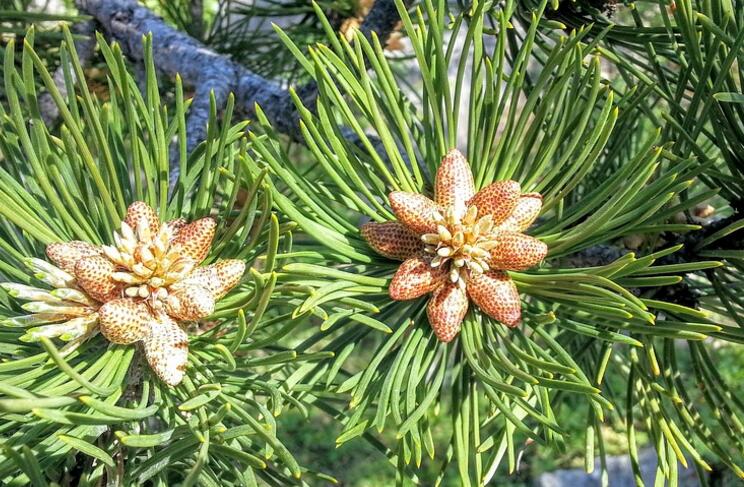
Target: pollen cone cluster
(459, 246)
(141, 288)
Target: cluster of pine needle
(627, 118)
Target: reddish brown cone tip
(524, 214)
(415, 211)
(517, 251)
(496, 295)
(94, 275)
(392, 240)
(446, 310)
(195, 239)
(454, 184)
(498, 199)
(414, 278)
(140, 212)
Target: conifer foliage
(533, 212)
(80, 406)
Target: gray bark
(382, 18)
(197, 18)
(681, 293)
(174, 52)
(126, 21)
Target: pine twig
(383, 19)
(681, 293)
(594, 256)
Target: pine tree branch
(732, 241)
(383, 19)
(594, 256)
(174, 52)
(681, 293)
